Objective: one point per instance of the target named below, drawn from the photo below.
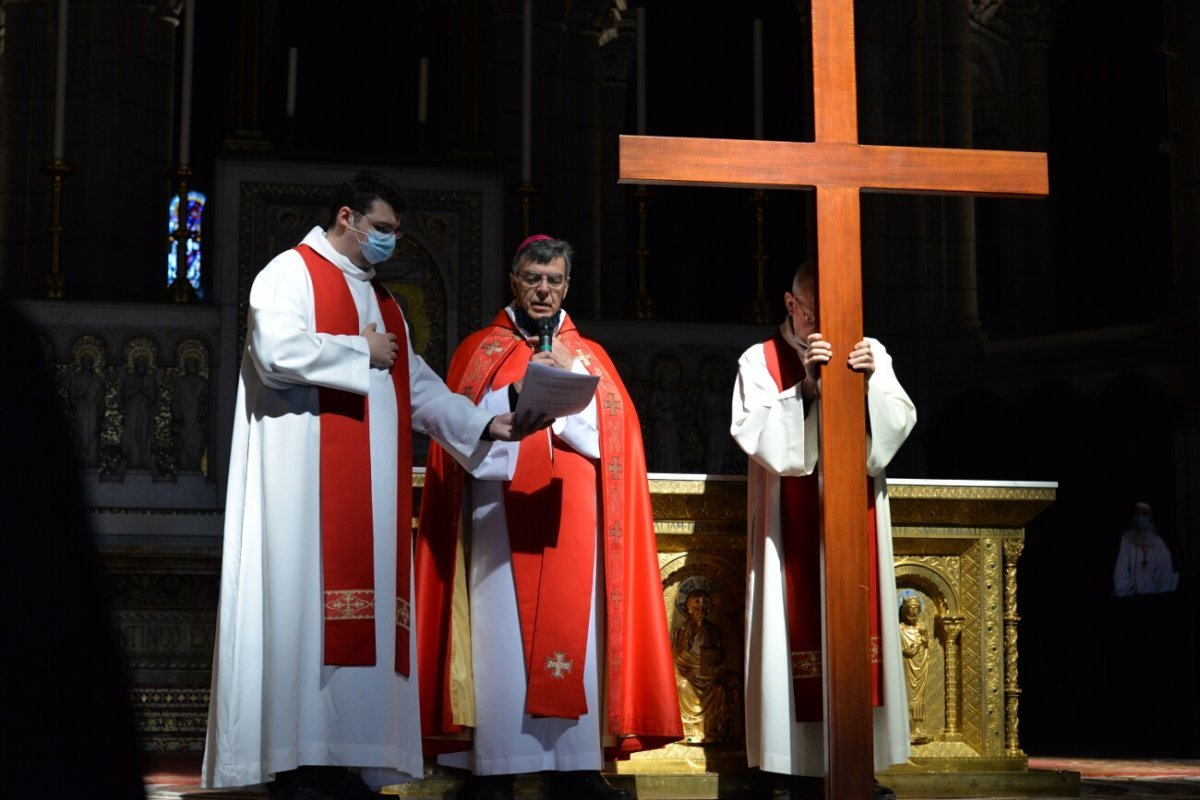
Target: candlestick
(53, 285)
(293, 64)
(758, 80)
(641, 71)
(185, 113)
(423, 89)
(526, 90)
(60, 83)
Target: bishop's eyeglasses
(534, 280)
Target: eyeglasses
(386, 230)
(534, 280)
(809, 314)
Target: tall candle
(526, 90)
(758, 80)
(423, 89)
(185, 113)
(641, 71)
(60, 83)
(293, 65)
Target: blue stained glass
(196, 201)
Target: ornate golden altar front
(956, 547)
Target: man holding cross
(541, 611)
(776, 420)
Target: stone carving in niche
(666, 416)
(85, 396)
(139, 404)
(712, 417)
(704, 613)
(189, 407)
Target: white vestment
(1143, 565)
(506, 739)
(771, 427)
(274, 706)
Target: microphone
(545, 334)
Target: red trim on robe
(347, 535)
(800, 529)
(642, 703)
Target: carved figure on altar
(86, 392)
(189, 414)
(914, 644)
(708, 689)
(666, 414)
(139, 392)
(713, 419)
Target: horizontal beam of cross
(792, 165)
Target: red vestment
(642, 708)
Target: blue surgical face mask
(1141, 523)
(378, 246)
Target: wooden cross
(839, 169)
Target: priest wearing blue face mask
(314, 684)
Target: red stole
(550, 506)
(800, 527)
(347, 541)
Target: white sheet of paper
(555, 392)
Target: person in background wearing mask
(1144, 560)
(314, 665)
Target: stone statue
(914, 643)
(86, 392)
(708, 690)
(139, 392)
(713, 419)
(189, 415)
(666, 414)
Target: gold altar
(956, 548)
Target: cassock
(478, 654)
(276, 703)
(769, 424)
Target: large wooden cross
(839, 169)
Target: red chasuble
(642, 706)
(347, 541)
(800, 526)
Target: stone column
(1031, 286)
(957, 131)
(506, 83)
(589, 156)
(616, 59)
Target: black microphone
(545, 334)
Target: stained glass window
(196, 201)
